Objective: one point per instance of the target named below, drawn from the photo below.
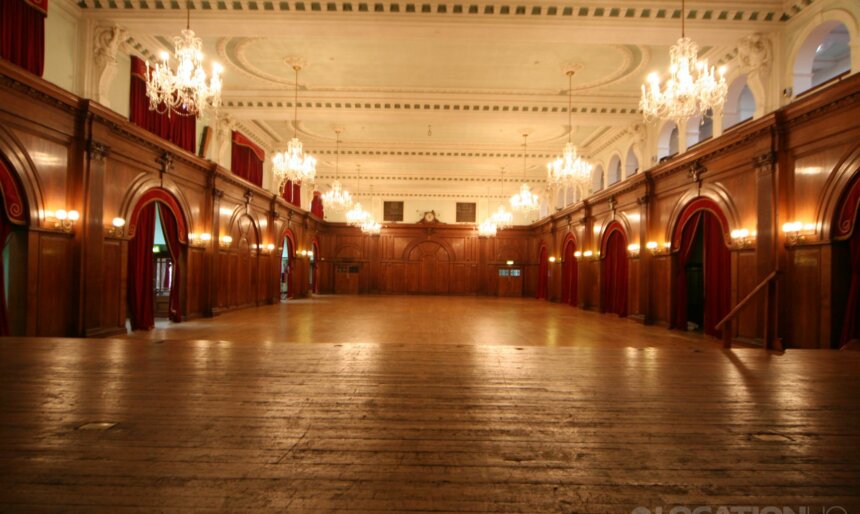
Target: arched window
(597, 178)
(569, 196)
(823, 55)
(631, 163)
(667, 142)
(614, 169)
(740, 103)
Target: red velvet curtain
(851, 323)
(543, 270)
(288, 192)
(679, 289)
(615, 277)
(718, 273)
(171, 236)
(179, 130)
(569, 276)
(297, 195)
(247, 159)
(5, 230)
(317, 205)
(22, 33)
(141, 271)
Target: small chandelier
(570, 167)
(487, 228)
(370, 226)
(185, 90)
(294, 164)
(337, 199)
(502, 218)
(357, 216)
(525, 201)
(692, 89)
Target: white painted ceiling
(432, 96)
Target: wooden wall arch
(163, 196)
(348, 251)
(721, 204)
(840, 198)
(613, 226)
(701, 203)
(509, 253)
(23, 182)
(570, 238)
(607, 222)
(142, 186)
(415, 242)
(288, 234)
(239, 213)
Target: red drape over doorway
(247, 159)
(141, 271)
(851, 321)
(5, 230)
(22, 33)
(614, 273)
(569, 275)
(317, 205)
(543, 274)
(171, 236)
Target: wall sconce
(63, 220)
(577, 254)
(509, 263)
(588, 254)
(552, 259)
(797, 232)
(657, 249)
(742, 238)
(633, 250)
(225, 242)
(115, 229)
(199, 240)
(267, 249)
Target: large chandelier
(185, 90)
(357, 216)
(337, 199)
(487, 228)
(525, 201)
(692, 89)
(502, 218)
(294, 164)
(570, 167)
(370, 226)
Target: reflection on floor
(427, 319)
(402, 423)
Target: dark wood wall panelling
(70, 153)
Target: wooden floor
(403, 424)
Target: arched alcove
(569, 196)
(667, 141)
(614, 170)
(631, 163)
(823, 55)
(597, 178)
(740, 103)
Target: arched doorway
(569, 274)
(613, 272)
(846, 257)
(314, 264)
(13, 224)
(702, 268)
(288, 261)
(429, 264)
(543, 274)
(156, 259)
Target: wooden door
(346, 279)
(431, 265)
(510, 282)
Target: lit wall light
(588, 254)
(115, 229)
(657, 249)
(633, 250)
(225, 242)
(796, 231)
(266, 250)
(509, 263)
(742, 238)
(577, 254)
(552, 259)
(199, 240)
(63, 220)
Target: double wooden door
(510, 282)
(346, 278)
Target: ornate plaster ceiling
(434, 96)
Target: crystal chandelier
(692, 89)
(185, 90)
(502, 218)
(294, 164)
(525, 201)
(570, 167)
(337, 199)
(370, 226)
(487, 228)
(357, 216)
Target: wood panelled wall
(70, 153)
(790, 165)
